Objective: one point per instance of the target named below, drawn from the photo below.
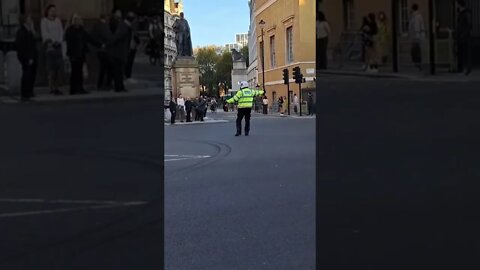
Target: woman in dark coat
(27, 55)
(77, 40)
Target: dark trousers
(105, 72)
(174, 115)
(129, 66)
(199, 115)
(416, 53)
(76, 75)
(322, 53)
(265, 109)
(29, 74)
(189, 116)
(118, 74)
(310, 109)
(465, 55)
(243, 112)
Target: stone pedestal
(186, 77)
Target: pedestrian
(286, 105)
(27, 55)
(134, 44)
(181, 108)
(383, 44)
(201, 107)
(213, 106)
(173, 110)
(464, 37)
(265, 104)
(101, 33)
(323, 31)
(295, 103)
(52, 35)
(417, 35)
(118, 47)
(280, 104)
(155, 31)
(188, 109)
(370, 31)
(77, 40)
(244, 98)
(310, 104)
(196, 116)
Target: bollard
(14, 73)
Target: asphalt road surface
(81, 186)
(398, 174)
(240, 202)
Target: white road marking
(94, 205)
(182, 157)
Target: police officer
(245, 98)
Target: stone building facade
(172, 10)
(288, 41)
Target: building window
(272, 52)
(404, 16)
(349, 14)
(289, 45)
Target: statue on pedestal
(182, 37)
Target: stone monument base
(186, 77)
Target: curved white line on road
(182, 157)
(95, 205)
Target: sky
(215, 22)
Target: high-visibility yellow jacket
(245, 97)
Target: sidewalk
(138, 89)
(406, 73)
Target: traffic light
(297, 75)
(285, 76)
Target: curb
(198, 123)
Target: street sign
(310, 71)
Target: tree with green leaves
(224, 69)
(244, 51)
(207, 59)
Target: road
(81, 186)
(397, 171)
(242, 202)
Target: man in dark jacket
(118, 48)
(173, 110)
(464, 38)
(188, 109)
(202, 105)
(77, 40)
(133, 45)
(101, 32)
(27, 55)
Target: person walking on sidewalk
(384, 38)
(27, 55)
(245, 98)
(265, 104)
(77, 40)
(52, 35)
(295, 103)
(417, 35)
(101, 33)
(464, 38)
(323, 31)
(280, 104)
(173, 110)
(310, 104)
(188, 109)
(118, 48)
(370, 31)
(181, 108)
(134, 43)
(201, 107)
